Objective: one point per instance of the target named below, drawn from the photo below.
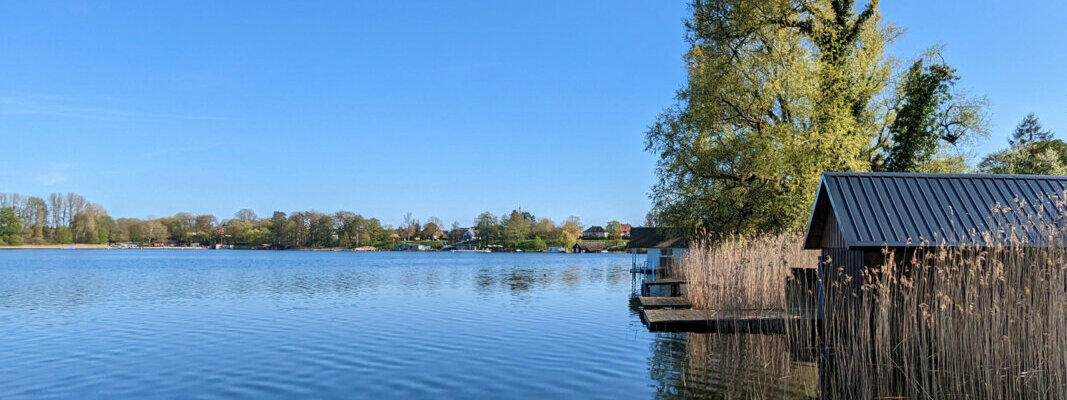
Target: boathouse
(589, 247)
(411, 247)
(857, 218)
(661, 251)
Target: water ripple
(238, 324)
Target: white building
(661, 253)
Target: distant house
(589, 247)
(626, 230)
(662, 251)
(595, 232)
(469, 235)
(411, 247)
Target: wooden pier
(649, 303)
(739, 321)
(674, 285)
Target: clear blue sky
(438, 108)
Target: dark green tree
(915, 131)
(10, 227)
(1029, 130)
(487, 227)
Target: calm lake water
(276, 324)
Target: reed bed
(983, 321)
(986, 322)
(743, 273)
(750, 275)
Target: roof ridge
(943, 175)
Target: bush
(14, 240)
(64, 235)
(535, 244)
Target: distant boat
(557, 250)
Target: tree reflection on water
(711, 365)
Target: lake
(296, 324)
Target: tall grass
(750, 276)
(743, 273)
(982, 321)
(985, 322)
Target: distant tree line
(70, 218)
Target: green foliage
(776, 95)
(517, 227)
(614, 229)
(488, 227)
(82, 222)
(779, 92)
(1033, 151)
(10, 227)
(1041, 158)
(1029, 131)
(931, 122)
(915, 131)
(573, 226)
(567, 239)
(64, 235)
(533, 245)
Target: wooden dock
(741, 321)
(639, 270)
(648, 303)
(674, 285)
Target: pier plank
(661, 302)
(755, 321)
(666, 281)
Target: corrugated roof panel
(900, 217)
(893, 209)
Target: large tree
(488, 228)
(778, 92)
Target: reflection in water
(149, 324)
(182, 324)
(711, 365)
(71, 287)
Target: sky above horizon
(443, 109)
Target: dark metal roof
(591, 247)
(911, 210)
(645, 238)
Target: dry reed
(951, 322)
(987, 320)
(743, 273)
(750, 275)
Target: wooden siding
(837, 262)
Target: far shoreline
(84, 246)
